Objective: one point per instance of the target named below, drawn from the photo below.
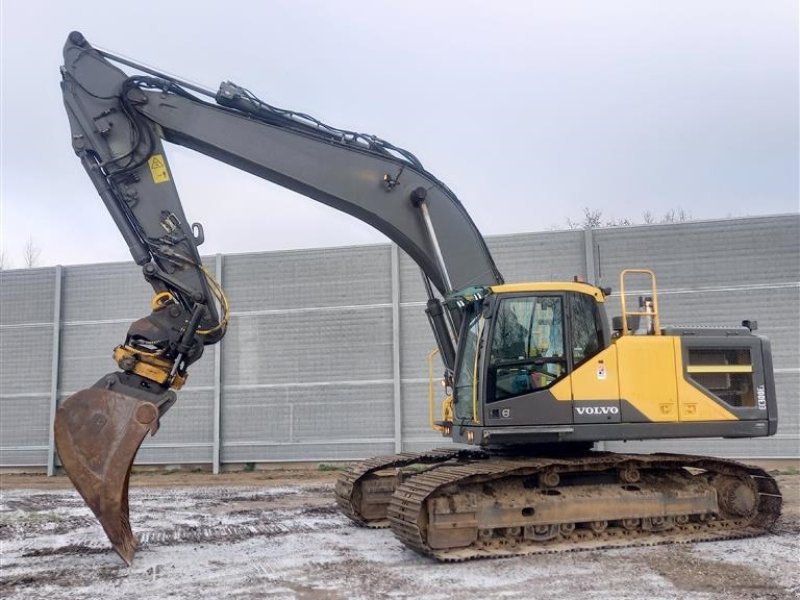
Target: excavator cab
(517, 344)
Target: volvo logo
(597, 410)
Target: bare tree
(594, 218)
(618, 222)
(591, 219)
(31, 253)
(675, 216)
(4, 262)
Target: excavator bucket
(98, 432)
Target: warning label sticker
(158, 168)
(601, 371)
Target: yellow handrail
(653, 314)
(431, 399)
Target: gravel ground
(277, 535)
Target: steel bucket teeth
(98, 433)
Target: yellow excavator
(535, 374)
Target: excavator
(534, 373)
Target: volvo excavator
(535, 374)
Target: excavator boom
(118, 123)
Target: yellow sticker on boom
(158, 168)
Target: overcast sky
(529, 111)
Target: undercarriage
(463, 504)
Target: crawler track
(364, 490)
(483, 507)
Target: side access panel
(647, 378)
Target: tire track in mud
(191, 534)
(63, 578)
(304, 521)
(25, 518)
(232, 533)
(40, 502)
(11, 530)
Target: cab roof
(550, 286)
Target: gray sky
(529, 111)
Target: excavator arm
(118, 123)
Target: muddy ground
(277, 535)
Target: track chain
(408, 508)
(348, 485)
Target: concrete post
(215, 459)
(398, 409)
(54, 364)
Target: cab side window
(586, 331)
(466, 373)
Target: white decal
(597, 410)
(601, 371)
(761, 395)
(506, 413)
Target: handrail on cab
(650, 308)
